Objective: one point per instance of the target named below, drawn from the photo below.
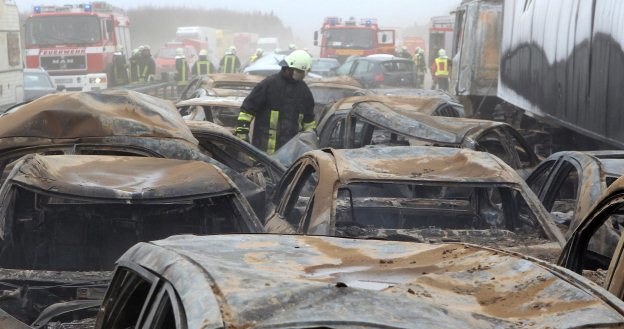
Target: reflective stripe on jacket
(441, 67)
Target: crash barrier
(166, 90)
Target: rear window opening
(52, 233)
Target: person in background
(147, 65)
(440, 71)
(134, 65)
(404, 53)
(230, 62)
(421, 67)
(182, 70)
(202, 66)
(281, 104)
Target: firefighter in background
(230, 62)
(118, 75)
(281, 104)
(421, 67)
(147, 65)
(134, 65)
(202, 66)
(440, 71)
(182, 70)
(404, 53)
(256, 56)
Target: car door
(526, 157)
(560, 193)
(243, 157)
(596, 245)
(131, 298)
(333, 132)
(494, 141)
(294, 198)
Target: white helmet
(179, 52)
(298, 59)
(232, 50)
(442, 53)
(203, 52)
(259, 51)
(292, 46)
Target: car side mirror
(384, 38)
(60, 88)
(316, 38)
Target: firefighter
(257, 55)
(230, 62)
(440, 71)
(147, 65)
(282, 105)
(118, 75)
(202, 66)
(404, 53)
(182, 69)
(134, 65)
(421, 67)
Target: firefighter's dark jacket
(290, 98)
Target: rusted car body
(220, 144)
(79, 213)
(604, 222)
(360, 121)
(416, 193)
(570, 182)
(220, 110)
(113, 122)
(268, 281)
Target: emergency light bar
(99, 6)
(368, 21)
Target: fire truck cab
(340, 40)
(75, 43)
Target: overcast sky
(302, 16)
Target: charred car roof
(336, 82)
(419, 125)
(235, 281)
(222, 101)
(90, 114)
(121, 178)
(423, 164)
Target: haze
(302, 16)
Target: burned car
(417, 193)
(360, 121)
(220, 110)
(220, 84)
(115, 122)
(570, 182)
(594, 249)
(112, 122)
(220, 144)
(328, 91)
(234, 281)
(75, 214)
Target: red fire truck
(340, 40)
(75, 43)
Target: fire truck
(441, 36)
(75, 43)
(340, 40)
(11, 73)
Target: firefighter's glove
(242, 132)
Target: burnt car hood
(318, 281)
(121, 178)
(74, 115)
